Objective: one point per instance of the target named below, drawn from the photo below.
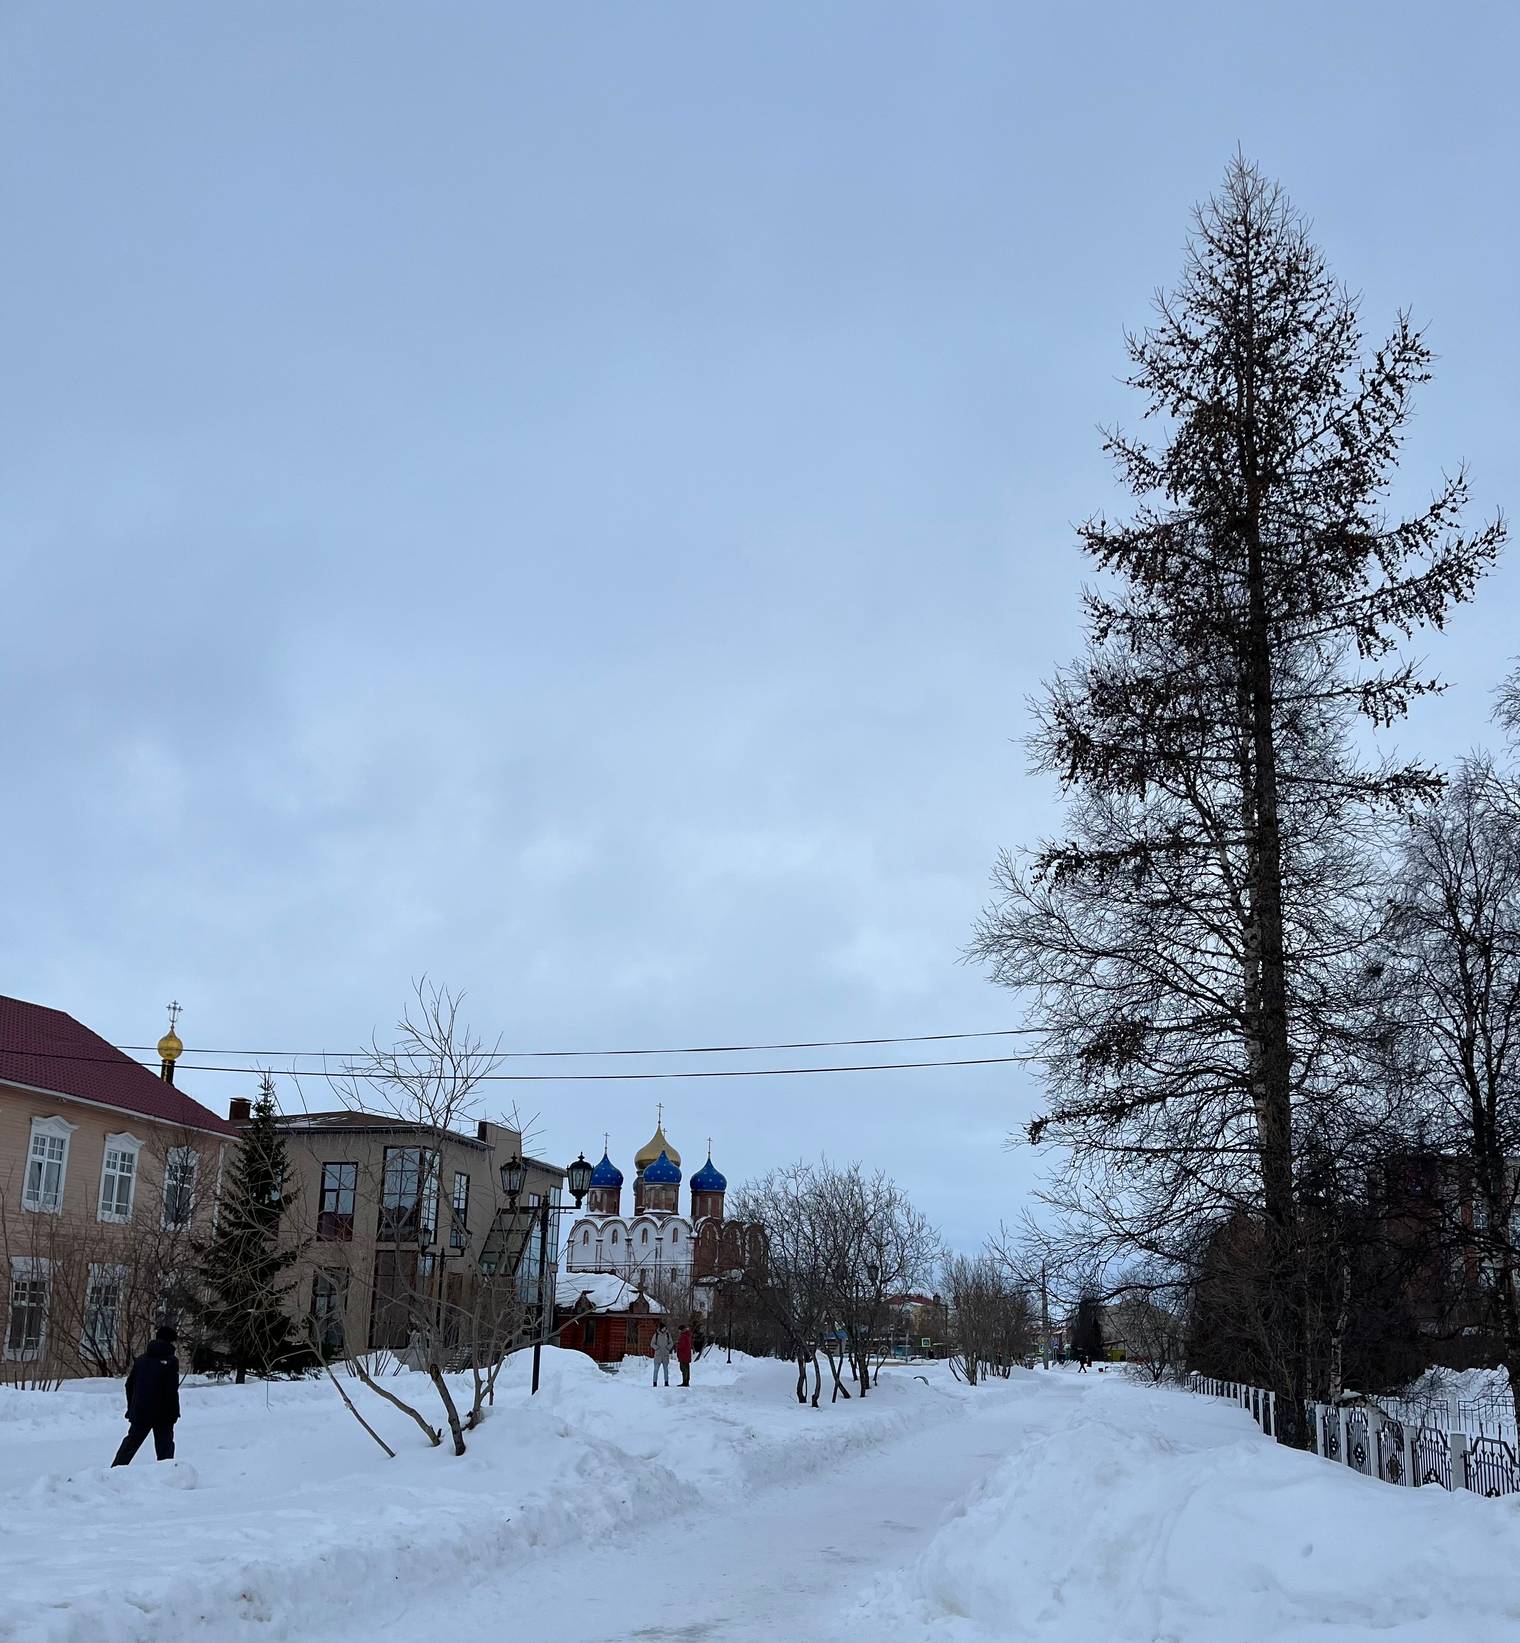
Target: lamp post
(514, 1175)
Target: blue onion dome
(708, 1179)
(662, 1173)
(606, 1174)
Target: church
(657, 1244)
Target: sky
(574, 501)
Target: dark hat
(167, 1332)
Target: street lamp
(514, 1176)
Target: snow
(607, 1292)
(1049, 1506)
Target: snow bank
(1132, 1515)
(280, 1510)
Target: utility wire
(607, 1078)
(686, 1049)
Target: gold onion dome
(169, 1046)
(649, 1153)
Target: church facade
(656, 1244)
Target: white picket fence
(1406, 1453)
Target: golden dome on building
(652, 1148)
(169, 1046)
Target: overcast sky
(573, 499)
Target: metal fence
(1403, 1447)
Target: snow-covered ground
(1051, 1506)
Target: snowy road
(787, 1564)
(1051, 1508)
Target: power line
(608, 1078)
(710, 1072)
(684, 1049)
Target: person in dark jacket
(683, 1353)
(152, 1399)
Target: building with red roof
(108, 1175)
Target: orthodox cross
(174, 1013)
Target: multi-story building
(108, 1176)
(385, 1211)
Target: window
(26, 1315)
(644, 1236)
(586, 1236)
(329, 1303)
(459, 1211)
(47, 1162)
(118, 1177)
(102, 1312)
(179, 1186)
(614, 1235)
(335, 1218)
(675, 1235)
(409, 1196)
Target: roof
(606, 1174)
(709, 1178)
(605, 1290)
(358, 1122)
(653, 1147)
(44, 1049)
(347, 1118)
(662, 1172)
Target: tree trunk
(435, 1374)
(1284, 1303)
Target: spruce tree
(242, 1267)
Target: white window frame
(173, 1156)
(130, 1147)
(53, 1129)
(28, 1268)
(104, 1272)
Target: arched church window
(614, 1236)
(644, 1239)
(675, 1235)
(586, 1236)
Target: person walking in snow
(1082, 1362)
(683, 1353)
(662, 1344)
(152, 1399)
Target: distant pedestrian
(1082, 1362)
(683, 1353)
(662, 1345)
(152, 1399)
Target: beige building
(386, 1212)
(108, 1173)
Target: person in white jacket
(662, 1348)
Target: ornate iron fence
(1491, 1468)
(1399, 1448)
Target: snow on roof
(605, 1290)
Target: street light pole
(513, 1177)
(1044, 1322)
(543, 1266)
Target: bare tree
(991, 1319)
(1456, 934)
(430, 1078)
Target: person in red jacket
(683, 1353)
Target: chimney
(482, 1130)
(239, 1109)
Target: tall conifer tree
(242, 1268)
(1191, 946)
